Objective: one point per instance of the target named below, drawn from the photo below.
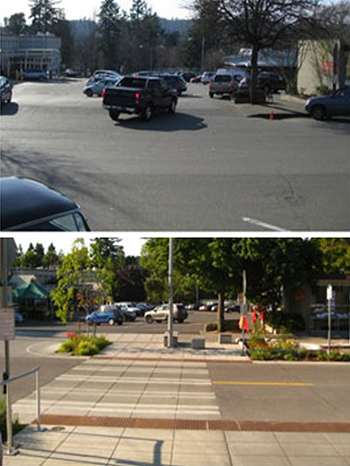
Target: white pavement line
(142, 370)
(262, 224)
(127, 393)
(134, 380)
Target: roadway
(212, 166)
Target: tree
(81, 285)
(15, 24)
(109, 28)
(44, 15)
(51, 258)
(259, 24)
(335, 254)
(131, 283)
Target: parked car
(187, 75)
(131, 307)
(97, 87)
(207, 76)
(106, 315)
(174, 82)
(336, 104)
(234, 308)
(161, 313)
(196, 79)
(35, 75)
(222, 84)
(98, 76)
(5, 90)
(204, 307)
(129, 314)
(142, 96)
(27, 205)
(18, 318)
(70, 73)
(271, 82)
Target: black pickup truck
(139, 95)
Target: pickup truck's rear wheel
(114, 114)
(148, 113)
(172, 106)
(211, 95)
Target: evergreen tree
(44, 15)
(109, 28)
(15, 24)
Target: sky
(131, 242)
(76, 9)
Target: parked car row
(118, 313)
(213, 307)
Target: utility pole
(203, 54)
(171, 295)
(7, 322)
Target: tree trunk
(254, 75)
(221, 311)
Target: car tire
(114, 115)
(120, 322)
(211, 95)
(149, 319)
(89, 93)
(172, 107)
(180, 321)
(111, 322)
(318, 112)
(148, 113)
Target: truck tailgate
(121, 97)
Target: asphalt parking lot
(213, 166)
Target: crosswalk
(128, 388)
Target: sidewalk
(140, 404)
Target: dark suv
(271, 82)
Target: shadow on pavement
(166, 123)
(279, 116)
(9, 109)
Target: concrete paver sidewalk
(76, 446)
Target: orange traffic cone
(272, 116)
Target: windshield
(135, 83)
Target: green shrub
(211, 327)
(16, 426)
(83, 345)
(324, 90)
(86, 348)
(290, 321)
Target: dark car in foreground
(142, 96)
(5, 90)
(336, 104)
(27, 205)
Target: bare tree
(259, 24)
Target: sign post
(330, 299)
(171, 296)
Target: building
(33, 52)
(323, 64)
(312, 304)
(268, 59)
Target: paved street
(140, 404)
(212, 166)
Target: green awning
(31, 290)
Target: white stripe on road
(91, 391)
(154, 380)
(262, 224)
(142, 370)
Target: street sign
(7, 324)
